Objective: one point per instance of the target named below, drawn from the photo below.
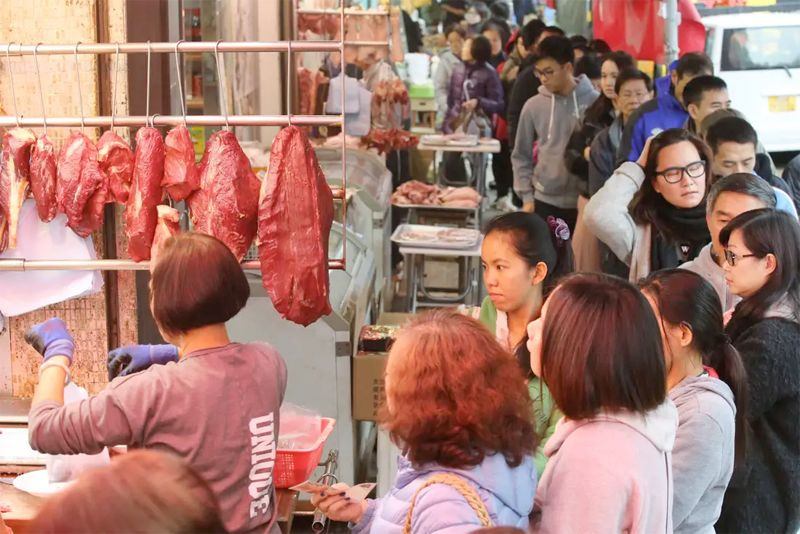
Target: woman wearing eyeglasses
(651, 213)
(762, 265)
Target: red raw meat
(81, 187)
(295, 215)
(181, 177)
(141, 213)
(43, 178)
(169, 224)
(116, 161)
(15, 174)
(226, 205)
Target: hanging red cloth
(636, 27)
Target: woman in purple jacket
(475, 84)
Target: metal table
(414, 258)
(485, 146)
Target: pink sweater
(611, 473)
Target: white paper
(22, 292)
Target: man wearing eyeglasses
(728, 198)
(545, 126)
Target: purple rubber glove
(131, 359)
(51, 338)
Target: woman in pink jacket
(609, 467)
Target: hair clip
(560, 229)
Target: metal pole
(21, 265)
(174, 120)
(185, 47)
(672, 19)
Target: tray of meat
(418, 235)
(377, 338)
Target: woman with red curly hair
(457, 408)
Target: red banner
(637, 27)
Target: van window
(710, 34)
(761, 48)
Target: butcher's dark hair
(601, 348)
(557, 48)
(631, 74)
(196, 282)
(531, 31)
(481, 49)
(694, 90)
(555, 30)
(534, 241)
(694, 63)
(767, 231)
(731, 130)
(685, 297)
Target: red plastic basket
(293, 467)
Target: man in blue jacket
(666, 110)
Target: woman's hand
(470, 104)
(134, 358)
(337, 506)
(642, 161)
(51, 338)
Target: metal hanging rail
(174, 120)
(19, 264)
(17, 49)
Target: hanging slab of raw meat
(169, 224)
(295, 215)
(181, 177)
(15, 176)
(116, 160)
(81, 187)
(226, 205)
(141, 213)
(43, 178)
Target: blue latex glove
(51, 338)
(134, 358)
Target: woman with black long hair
(651, 213)
(523, 258)
(708, 384)
(762, 254)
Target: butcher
(213, 402)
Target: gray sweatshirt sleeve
(522, 157)
(441, 84)
(697, 458)
(607, 216)
(91, 424)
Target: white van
(758, 56)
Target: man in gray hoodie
(541, 178)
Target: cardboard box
(368, 369)
(368, 388)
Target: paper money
(359, 493)
(310, 487)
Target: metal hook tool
(11, 75)
(114, 92)
(80, 92)
(147, 105)
(41, 93)
(222, 90)
(289, 82)
(180, 81)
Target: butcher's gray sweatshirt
(217, 409)
(549, 120)
(702, 457)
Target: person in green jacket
(523, 257)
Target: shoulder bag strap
(459, 484)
